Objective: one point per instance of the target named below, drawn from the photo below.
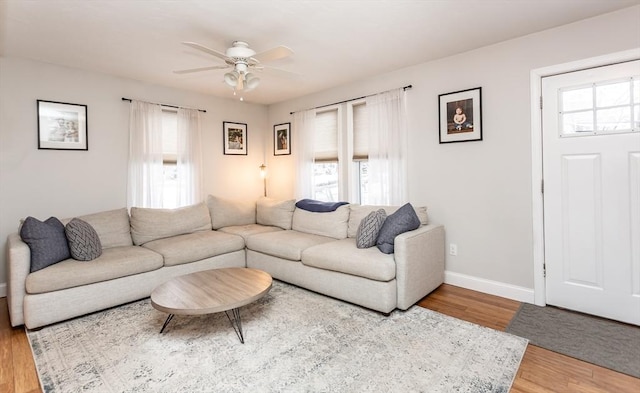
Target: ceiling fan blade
(220, 67)
(210, 51)
(276, 53)
(278, 72)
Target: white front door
(591, 170)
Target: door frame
(539, 284)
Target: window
(169, 159)
(326, 157)
(360, 152)
(335, 177)
(600, 108)
(163, 144)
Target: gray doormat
(603, 342)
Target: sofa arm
(19, 266)
(419, 257)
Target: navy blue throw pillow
(46, 240)
(402, 220)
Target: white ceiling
(334, 41)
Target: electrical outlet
(453, 249)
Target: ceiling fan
(243, 60)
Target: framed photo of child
(282, 139)
(460, 115)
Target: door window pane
(613, 94)
(577, 122)
(578, 99)
(616, 109)
(613, 119)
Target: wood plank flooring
(540, 371)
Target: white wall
(481, 191)
(44, 183)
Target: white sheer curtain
(386, 115)
(304, 124)
(145, 182)
(189, 158)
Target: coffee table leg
(236, 323)
(169, 318)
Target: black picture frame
(282, 139)
(62, 126)
(234, 138)
(460, 116)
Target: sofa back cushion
(358, 212)
(275, 212)
(331, 224)
(112, 226)
(150, 224)
(228, 213)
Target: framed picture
(235, 138)
(282, 139)
(461, 116)
(62, 126)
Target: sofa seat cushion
(114, 263)
(249, 230)
(196, 246)
(285, 244)
(345, 257)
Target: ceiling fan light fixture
(231, 78)
(251, 81)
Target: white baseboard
(496, 288)
(3, 289)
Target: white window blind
(360, 132)
(169, 136)
(326, 142)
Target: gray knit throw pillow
(84, 243)
(369, 228)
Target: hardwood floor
(540, 370)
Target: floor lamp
(263, 175)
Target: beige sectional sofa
(147, 247)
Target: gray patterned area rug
(295, 341)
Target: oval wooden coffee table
(212, 291)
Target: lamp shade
(263, 171)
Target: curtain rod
(168, 106)
(352, 99)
